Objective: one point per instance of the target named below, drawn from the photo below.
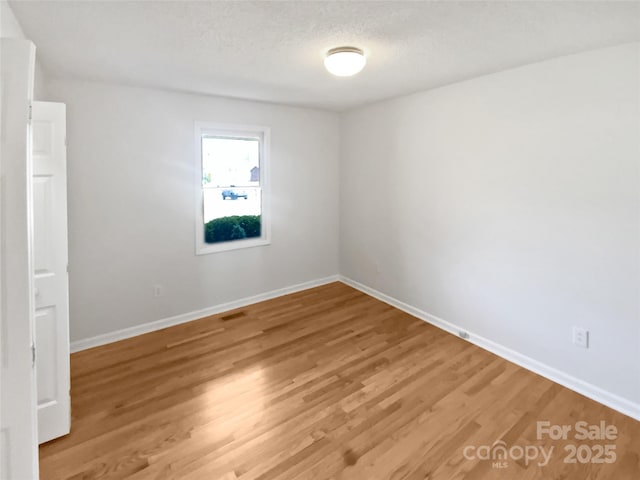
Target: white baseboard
(110, 337)
(589, 390)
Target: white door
(18, 423)
(51, 286)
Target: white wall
(131, 204)
(510, 206)
(11, 28)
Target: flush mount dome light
(345, 61)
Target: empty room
(320, 240)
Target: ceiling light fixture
(345, 61)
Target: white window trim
(221, 129)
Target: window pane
(231, 188)
(224, 202)
(230, 162)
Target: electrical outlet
(157, 290)
(581, 337)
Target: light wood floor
(323, 384)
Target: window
(232, 191)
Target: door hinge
(30, 112)
(33, 354)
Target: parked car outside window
(234, 194)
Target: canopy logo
(500, 454)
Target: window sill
(207, 248)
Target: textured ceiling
(273, 51)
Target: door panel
(47, 356)
(50, 269)
(43, 254)
(18, 447)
